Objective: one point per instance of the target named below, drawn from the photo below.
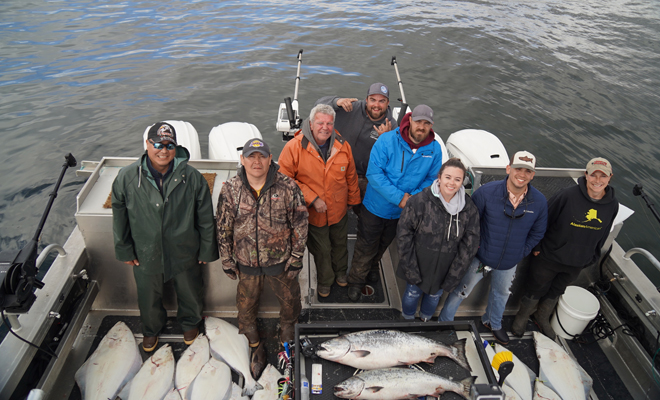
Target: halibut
(233, 348)
(156, 377)
(112, 365)
(190, 364)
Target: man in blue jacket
(513, 220)
(402, 163)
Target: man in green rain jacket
(164, 227)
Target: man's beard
(376, 117)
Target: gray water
(566, 80)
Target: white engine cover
(186, 136)
(477, 147)
(445, 155)
(225, 139)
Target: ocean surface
(566, 80)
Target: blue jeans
(500, 283)
(411, 298)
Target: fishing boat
(86, 290)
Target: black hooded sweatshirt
(577, 225)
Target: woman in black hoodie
(579, 221)
(438, 236)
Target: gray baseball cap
(424, 112)
(379, 88)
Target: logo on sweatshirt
(592, 215)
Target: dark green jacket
(166, 233)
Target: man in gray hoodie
(361, 122)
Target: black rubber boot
(258, 360)
(542, 317)
(527, 307)
(354, 293)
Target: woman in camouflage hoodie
(438, 236)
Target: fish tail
(249, 390)
(466, 385)
(459, 354)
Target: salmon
(399, 383)
(376, 349)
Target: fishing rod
(18, 271)
(638, 190)
(288, 120)
(404, 103)
(295, 91)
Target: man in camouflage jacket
(262, 232)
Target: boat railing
(44, 253)
(645, 253)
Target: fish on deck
(155, 378)
(233, 348)
(190, 364)
(519, 379)
(374, 349)
(542, 392)
(112, 365)
(212, 383)
(399, 383)
(268, 381)
(558, 370)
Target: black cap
(162, 132)
(256, 144)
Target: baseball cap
(599, 164)
(424, 112)
(255, 144)
(379, 88)
(524, 159)
(161, 132)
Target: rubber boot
(542, 317)
(527, 307)
(258, 360)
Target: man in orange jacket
(321, 162)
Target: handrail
(645, 253)
(48, 249)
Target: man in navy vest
(513, 220)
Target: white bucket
(575, 309)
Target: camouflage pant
(249, 291)
(374, 237)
